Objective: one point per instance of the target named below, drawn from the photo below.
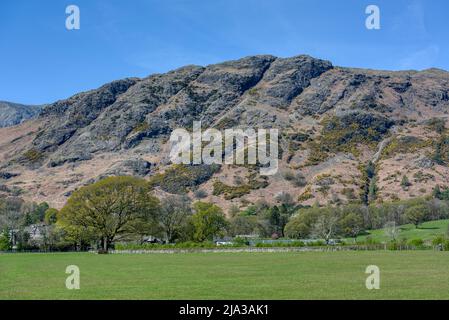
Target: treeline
(112, 210)
(353, 220)
(125, 210)
(21, 221)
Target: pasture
(283, 275)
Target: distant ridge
(12, 114)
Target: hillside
(332, 121)
(12, 114)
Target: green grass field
(426, 231)
(293, 275)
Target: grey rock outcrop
(249, 91)
(331, 121)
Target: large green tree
(109, 209)
(416, 214)
(208, 221)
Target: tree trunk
(105, 244)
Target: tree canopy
(111, 208)
(208, 221)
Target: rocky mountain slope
(12, 114)
(345, 134)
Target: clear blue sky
(41, 61)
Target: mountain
(345, 134)
(12, 114)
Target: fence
(371, 247)
(375, 247)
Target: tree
(441, 194)
(392, 230)
(369, 172)
(208, 221)
(286, 211)
(416, 214)
(297, 228)
(33, 213)
(5, 241)
(326, 225)
(370, 169)
(274, 218)
(372, 189)
(436, 192)
(351, 224)
(110, 208)
(11, 218)
(243, 225)
(405, 183)
(437, 209)
(51, 215)
(300, 226)
(173, 216)
(38, 213)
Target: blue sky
(41, 61)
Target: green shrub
(437, 124)
(306, 195)
(171, 246)
(299, 180)
(263, 245)
(441, 194)
(438, 240)
(369, 241)
(230, 192)
(178, 178)
(441, 241)
(349, 193)
(226, 123)
(241, 242)
(396, 244)
(393, 245)
(33, 155)
(317, 243)
(5, 243)
(407, 144)
(405, 183)
(289, 175)
(292, 244)
(200, 194)
(342, 134)
(441, 150)
(416, 242)
(141, 127)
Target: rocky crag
(346, 135)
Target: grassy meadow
(288, 275)
(426, 231)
